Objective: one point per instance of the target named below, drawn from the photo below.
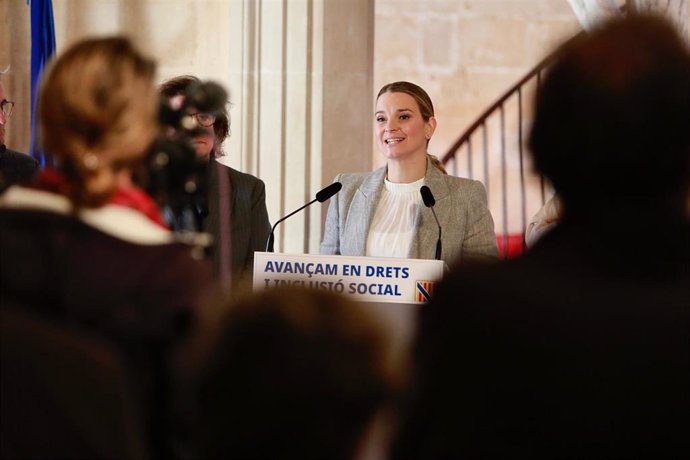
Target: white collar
(118, 221)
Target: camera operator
(235, 214)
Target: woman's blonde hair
(437, 163)
(426, 107)
(97, 111)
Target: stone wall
(15, 52)
(303, 75)
(466, 54)
(294, 69)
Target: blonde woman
(381, 213)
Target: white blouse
(392, 228)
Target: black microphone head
(328, 192)
(427, 196)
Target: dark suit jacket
(15, 167)
(579, 349)
(109, 271)
(242, 197)
(108, 267)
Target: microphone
(325, 194)
(321, 196)
(429, 202)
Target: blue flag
(42, 49)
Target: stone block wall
(466, 54)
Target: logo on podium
(424, 290)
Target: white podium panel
(369, 279)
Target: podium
(367, 279)
(392, 288)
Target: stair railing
(465, 144)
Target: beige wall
(466, 54)
(294, 68)
(297, 67)
(303, 75)
(184, 36)
(15, 52)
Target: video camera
(172, 174)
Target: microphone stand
(429, 202)
(321, 196)
(269, 242)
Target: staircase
(492, 149)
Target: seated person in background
(580, 348)
(15, 167)
(544, 220)
(237, 215)
(294, 374)
(65, 250)
(381, 213)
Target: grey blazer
(461, 207)
(243, 198)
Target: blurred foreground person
(581, 348)
(294, 374)
(70, 254)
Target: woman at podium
(383, 214)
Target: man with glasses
(15, 167)
(236, 213)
